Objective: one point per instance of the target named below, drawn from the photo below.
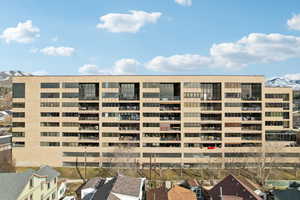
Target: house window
(48, 185)
(31, 183)
(18, 90)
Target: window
(192, 124)
(18, 134)
(233, 104)
(110, 85)
(70, 104)
(18, 124)
(49, 104)
(49, 124)
(50, 134)
(150, 124)
(89, 91)
(191, 85)
(49, 95)
(48, 185)
(69, 134)
(70, 124)
(110, 105)
(70, 114)
(18, 90)
(151, 104)
(108, 124)
(284, 97)
(150, 95)
(191, 104)
(49, 85)
(49, 114)
(81, 154)
(232, 95)
(18, 114)
(18, 105)
(151, 114)
(110, 95)
(70, 95)
(192, 114)
(49, 144)
(18, 144)
(31, 183)
(192, 95)
(70, 85)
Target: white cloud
(130, 23)
(178, 62)
(126, 66)
(252, 49)
(40, 73)
(184, 2)
(294, 22)
(22, 33)
(58, 51)
(292, 76)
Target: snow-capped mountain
(284, 82)
(6, 75)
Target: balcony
(89, 136)
(89, 117)
(129, 137)
(169, 107)
(170, 127)
(88, 106)
(129, 91)
(89, 127)
(129, 106)
(129, 116)
(172, 98)
(88, 91)
(129, 127)
(170, 116)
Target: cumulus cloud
(22, 33)
(294, 22)
(130, 23)
(294, 77)
(252, 49)
(184, 2)
(58, 51)
(178, 62)
(126, 66)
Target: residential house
(157, 194)
(181, 193)
(232, 188)
(117, 188)
(29, 185)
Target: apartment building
(170, 121)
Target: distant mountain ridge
(6, 76)
(284, 82)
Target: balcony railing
(174, 98)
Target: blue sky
(151, 37)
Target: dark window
(18, 105)
(89, 91)
(49, 114)
(49, 124)
(18, 134)
(50, 95)
(70, 114)
(150, 95)
(50, 134)
(49, 104)
(18, 124)
(49, 85)
(49, 144)
(70, 95)
(70, 85)
(70, 104)
(18, 90)
(18, 114)
(110, 85)
(110, 95)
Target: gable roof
(104, 191)
(232, 186)
(47, 171)
(12, 184)
(93, 183)
(127, 186)
(181, 193)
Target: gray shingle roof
(127, 185)
(12, 184)
(47, 171)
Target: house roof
(47, 171)
(12, 184)
(104, 191)
(157, 193)
(93, 183)
(127, 185)
(180, 193)
(232, 186)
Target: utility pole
(85, 164)
(150, 167)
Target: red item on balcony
(211, 147)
